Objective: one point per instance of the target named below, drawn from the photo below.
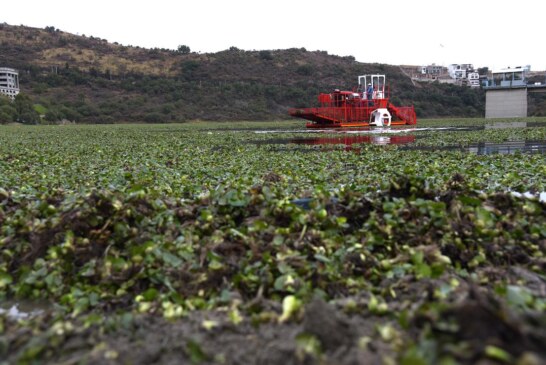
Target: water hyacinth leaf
(290, 307)
(278, 240)
(322, 258)
(150, 295)
(235, 316)
(470, 201)
(158, 228)
(5, 279)
(499, 354)
(134, 188)
(423, 270)
(88, 269)
(167, 257)
(117, 263)
(285, 283)
(485, 218)
(197, 355)
(518, 296)
(93, 299)
(209, 324)
(387, 332)
(412, 357)
(308, 344)
(81, 305)
(417, 257)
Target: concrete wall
(506, 103)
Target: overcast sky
(485, 33)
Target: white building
(9, 82)
(458, 71)
(473, 79)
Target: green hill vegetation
(85, 79)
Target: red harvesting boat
(367, 106)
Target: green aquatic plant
(117, 227)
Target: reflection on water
(405, 136)
(482, 148)
(508, 147)
(350, 140)
(347, 140)
(505, 125)
(366, 130)
(488, 148)
(406, 129)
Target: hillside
(87, 79)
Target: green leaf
(290, 306)
(518, 296)
(5, 279)
(423, 270)
(235, 316)
(322, 258)
(150, 295)
(169, 258)
(499, 354)
(197, 355)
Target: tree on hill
(183, 49)
(25, 110)
(8, 113)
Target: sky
(495, 34)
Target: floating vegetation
(194, 245)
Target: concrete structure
(433, 70)
(9, 82)
(508, 77)
(506, 102)
(509, 101)
(506, 92)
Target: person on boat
(369, 93)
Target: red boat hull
(351, 116)
(357, 109)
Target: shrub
(154, 118)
